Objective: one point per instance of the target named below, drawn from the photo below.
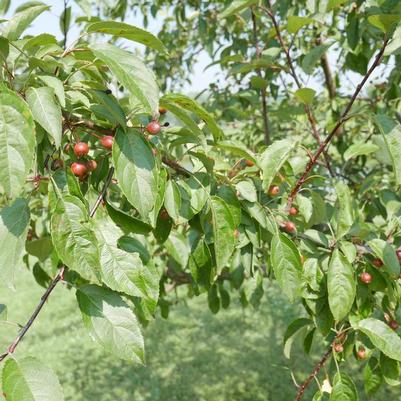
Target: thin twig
(176, 166)
(263, 95)
(102, 194)
(35, 314)
(339, 123)
(308, 111)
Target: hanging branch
(339, 123)
(263, 94)
(308, 111)
(56, 280)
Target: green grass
(192, 356)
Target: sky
(49, 22)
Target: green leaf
(41, 248)
(223, 231)
(341, 285)
(313, 57)
(287, 266)
(295, 23)
(291, 331)
(305, 95)
(359, 149)
(345, 212)
(111, 323)
(391, 132)
(178, 248)
(114, 113)
(136, 170)
(247, 190)
(14, 223)
(56, 85)
(28, 380)
(124, 272)
(17, 25)
(273, 158)
(236, 148)
(132, 73)
(46, 111)
(186, 103)
(384, 21)
(381, 336)
(344, 388)
(172, 200)
(372, 375)
(390, 370)
(386, 253)
(332, 4)
(126, 222)
(236, 7)
(17, 142)
(73, 238)
(394, 47)
(3, 312)
(127, 31)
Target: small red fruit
(338, 347)
(365, 277)
(249, 163)
(57, 164)
(398, 252)
(394, 325)
(232, 174)
(164, 215)
(377, 263)
(91, 165)
(162, 110)
(274, 190)
(290, 227)
(81, 149)
(107, 141)
(293, 211)
(361, 353)
(79, 169)
(153, 127)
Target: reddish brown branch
(176, 166)
(35, 314)
(102, 194)
(339, 123)
(263, 94)
(308, 111)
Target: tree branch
(35, 314)
(56, 280)
(308, 111)
(175, 166)
(339, 123)
(263, 95)
(328, 77)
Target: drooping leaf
(391, 133)
(127, 31)
(14, 223)
(74, 239)
(111, 323)
(373, 377)
(381, 336)
(341, 285)
(345, 215)
(236, 7)
(17, 25)
(292, 330)
(132, 73)
(46, 111)
(313, 57)
(287, 266)
(390, 370)
(384, 21)
(29, 380)
(386, 253)
(136, 170)
(56, 85)
(17, 142)
(305, 95)
(359, 149)
(295, 23)
(41, 248)
(192, 106)
(273, 158)
(344, 388)
(223, 231)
